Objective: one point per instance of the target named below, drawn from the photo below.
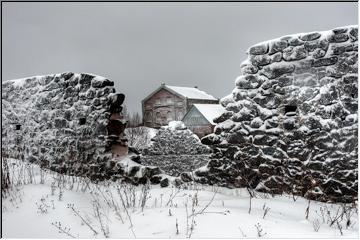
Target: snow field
(43, 204)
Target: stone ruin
(291, 123)
(70, 123)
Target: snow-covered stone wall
(291, 123)
(175, 149)
(68, 122)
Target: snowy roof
(210, 111)
(192, 93)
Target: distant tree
(137, 135)
(134, 119)
(125, 112)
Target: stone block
(259, 49)
(294, 53)
(310, 36)
(277, 46)
(324, 62)
(277, 69)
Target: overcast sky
(141, 45)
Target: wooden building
(168, 103)
(199, 119)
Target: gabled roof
(209, 111)
(183, 92)
(191, 93)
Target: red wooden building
(168, 103)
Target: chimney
(162, 84)
(195, 86)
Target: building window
(168, 100)
(169, 116)
(148, 116)
(179, 115)
(158, 117)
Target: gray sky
(141, 45)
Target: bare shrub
(341, 218)
(42, 206)
(172, 196)
(144, 195)
(138, 137)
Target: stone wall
(291, 121)
(68, 122)
(176, 149)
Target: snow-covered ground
(48, 205)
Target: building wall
(163, 107)
(197, 123)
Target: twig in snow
(307, 210)
(177, 227)
(98, 214)
(266, 210)
(144, 195)
(61, 229)
(250, 198)
(61, 194)
(77, 213)
(339, 227)
(187, 217)
(260, 231)
(172, 196)
(192, 226)
(242, 233)
(127, 213)
(316, 225)
(207, 205)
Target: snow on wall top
(191, 93)
(210, 111)
(19, 82)
(306, 36)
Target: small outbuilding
(199, 119)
